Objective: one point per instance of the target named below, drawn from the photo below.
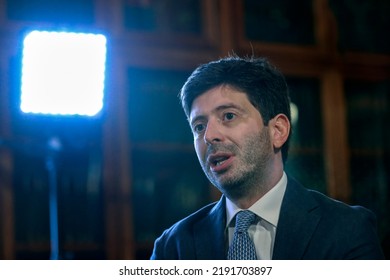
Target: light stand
(50, 152)
(63, 74)
(54, 146)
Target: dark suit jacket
(311, 226)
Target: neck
(259, 190)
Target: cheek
(200, 149)
(240, 136)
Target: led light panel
(63, 73)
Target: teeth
(220, 162)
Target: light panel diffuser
(63, 73)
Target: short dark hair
(264, 85)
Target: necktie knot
(242, 247)
(243, 220)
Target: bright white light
(63, 73)
(294, 113)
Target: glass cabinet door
(368, 105)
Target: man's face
(232, 144)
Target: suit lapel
(299, 216)
(209, 234)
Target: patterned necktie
(242, 247)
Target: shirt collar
(267, 207)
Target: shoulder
(333, 217)
(340, 210)
(177, 242)
(350, 230)
(317, 201)
(187, 223)
(339, 227)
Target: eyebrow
(218, 109)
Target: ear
(280, 130)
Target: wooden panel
(335, 136)
(7, 244)
(117, 177)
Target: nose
(213, 132)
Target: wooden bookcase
(134, 172)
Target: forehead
(218, 97)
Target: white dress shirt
(267, 209)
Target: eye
(229, 116)
(198, 128)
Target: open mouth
(219, 162)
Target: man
(239, 113)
